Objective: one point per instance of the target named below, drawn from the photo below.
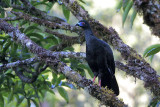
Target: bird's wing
(109, 59)
(110, 63)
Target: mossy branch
(150, 9)
(111, 36)
(29, 8)
(106, 96)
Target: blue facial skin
(81, 24)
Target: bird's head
(83, 23)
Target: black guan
(100, 58)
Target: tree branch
(111, 36)
(36, 12)
(105, 96)
(80, 55)
(62, 36)
(151, 14)
(59, 47)
(44, 22)
(66, 40)
(11, 18)
(24, 78)
(17, 63)
(142, 75)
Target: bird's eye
(83, 23)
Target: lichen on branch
(104, 95)
(150, 9)
(111, 36)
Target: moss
(74, 6)
(159, 79)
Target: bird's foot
(100, 83)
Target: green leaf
(13, 50)
(125, 3)
(21, 29)
(35, 102)
(85, 66)
(51, 39)
(63, 93)
(69, 85)
(37, 40)
(42, 92)
(66, 12)
(154, 103)
(31, 28)
(8, 72)
(28, 103)
(10, 75)
(23, 22)
(133, 17)
(5, 3)
(19, 101)
(61, 77)
(6, 45)
(151, 50)
(1, 37)
(151, 57)
(119, 5)
(45, 76)
(37, 35)
(54, 75)
(1, 100)
(50, 91)
(125, 14)
(10, 97)
(82, 1)
(2, 78)
(2, 12)
(49, 6)
(68, 48)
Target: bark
(150, 9)
(109, 35)
(135, 65)
(106, 96)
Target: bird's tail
(110, 82)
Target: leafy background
(52, 89)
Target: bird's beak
(77, 24)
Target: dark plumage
(100, 59)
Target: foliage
(17, 92)
(151, 51)
(11, 86)
(127, 6)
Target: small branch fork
(106, 96)
(129, 54)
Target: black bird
(100, 58)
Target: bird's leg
(95, 75)
(94, 79)
(100, 82)
(99, 78)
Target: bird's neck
(88, 34)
